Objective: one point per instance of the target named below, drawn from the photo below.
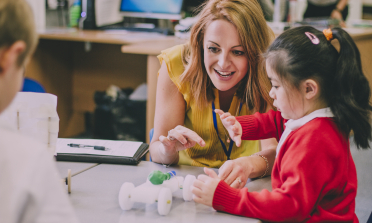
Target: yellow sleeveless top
(201, 121)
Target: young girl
(321, 95)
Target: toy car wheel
(164, 201)
(125, 201)
(187, 183)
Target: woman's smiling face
(224, 56)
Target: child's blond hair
(17, 24)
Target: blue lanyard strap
(227, 152)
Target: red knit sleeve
(307, 173)
(262, 126)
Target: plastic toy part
(189, 181)
(149, 193)
(124, 196)
(157, 177)
(164, 201)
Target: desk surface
(95, 196)
(101, 36)
(63, 167)
(128, 37)
(143, 42)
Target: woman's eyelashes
(216, 50)
(238, 52)
(213, 49)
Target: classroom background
(99, 57)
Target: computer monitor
(156, 9)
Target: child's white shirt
(292, 125)
(30, 186)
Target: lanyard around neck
(227, 152)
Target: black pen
(82, 146)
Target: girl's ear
(311, 88)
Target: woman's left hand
(235, 172)
(205, 186)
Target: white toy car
(150, 193)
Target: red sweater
(313, 179)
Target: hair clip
(328, 34)
(313, 38)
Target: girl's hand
(179, 138)
(205, 186)
(235, 172)
(232, 126)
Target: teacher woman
(220, 67)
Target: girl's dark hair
(294, 57)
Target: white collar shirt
(292, 125)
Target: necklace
(231, 142)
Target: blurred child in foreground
(30, 186)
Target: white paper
(107, 12)
(115, 148)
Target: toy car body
(149, 193)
